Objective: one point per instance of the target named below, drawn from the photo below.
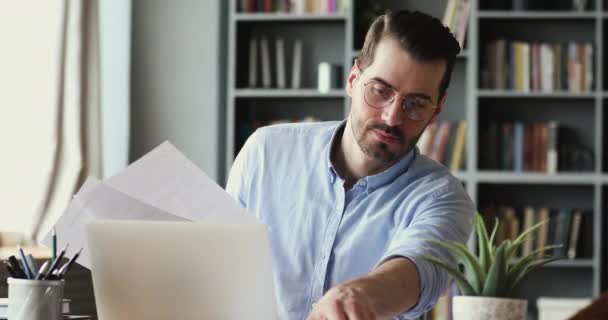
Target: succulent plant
(490, 273)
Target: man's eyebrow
(415, 94)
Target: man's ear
(440, 106)
(352, 77)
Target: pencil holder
(35, 299)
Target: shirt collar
(374, 181)
(338, 132)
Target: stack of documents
(163, 185)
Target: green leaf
(464, 286)
(484, 245)
(524, 262)
(493, 236)
(468, 259)
(494, 283)
(532, 267)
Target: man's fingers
(336, 311)
(354, 311)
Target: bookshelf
(338, 38)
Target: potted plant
(486, 280)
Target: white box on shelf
(324, 77)
(550, 308)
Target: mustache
(394, 131)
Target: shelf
(271, 17)
(572, 263)
(536, 178)
(462, 55)
(506, 15)
(488, 93)
(461, 175)
(288, 93)
(566, 263)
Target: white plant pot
(488, 308)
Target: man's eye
(381, 91)
(414, 103)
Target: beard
(379, 150)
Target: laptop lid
(181, 270)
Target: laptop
(181, 270)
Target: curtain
(49, 109)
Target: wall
(115, 47)
(176, 83)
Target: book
(552, 148)
(265, 62)
(296, 76)
(253, 62)
(458, 151)
(280, 58)
(543, 231)
(529, 222)
(561, 232)
(462, 21)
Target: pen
(16, 268)
(54, 244)
(32, 264)
(10, 270)
(26, 266)
(42, 271)
(67, 266)
(56, 262)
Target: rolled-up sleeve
(446, 214)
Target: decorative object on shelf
(324, 77)
(488, 279)
(579, 5)
(328, 77)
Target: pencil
(54, 244)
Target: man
(352, 205)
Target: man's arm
(387, 291)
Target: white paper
(100, 202)
(161, 186)
(166, 179)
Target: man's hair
(422, 36)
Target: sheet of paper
(99, 202)
(162, 186)
(166, 179)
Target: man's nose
(393, 114)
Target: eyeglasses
(379, 95)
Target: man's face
(387, 134)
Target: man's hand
(387, 291)
(344, 302)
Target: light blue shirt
(322, 235)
